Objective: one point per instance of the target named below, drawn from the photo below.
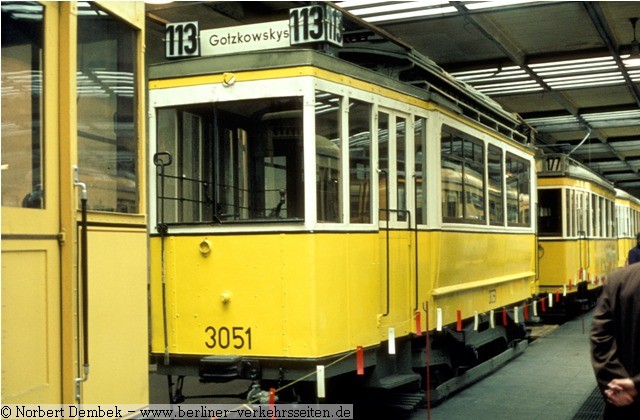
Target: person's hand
(621, 392)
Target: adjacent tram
(329, 207)
(74, 236)
(576, 227)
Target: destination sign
(257, 37)
(316, 23)
(310, 24)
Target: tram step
(397, 380)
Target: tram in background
(627, 224)
(308, 204)
(74, 282)
(576, 227)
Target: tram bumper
(209, 368)
(227, 368)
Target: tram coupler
(258, 395)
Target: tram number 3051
(224, 337)
(316, 23)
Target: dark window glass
(23, 183)
(550, 212)
(462, 173)
(420, 134)
(360, 161)
(518, 191)
(232, 161)
(328, 158)
(496, 193)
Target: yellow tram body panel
(560, 264)
(471, 278)
(317, 294)
(118, 319)
(623, 246)
(269, 288)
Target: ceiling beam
(490, 31)
(596, 15)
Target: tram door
(394, 218)
(31, 343)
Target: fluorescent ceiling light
(565, 119)
(397, 7)
(413, 14)
(358, 3)
(600, 116)
(495, 4)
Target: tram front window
(232, 161)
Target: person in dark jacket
(615, 343)
(634, 253)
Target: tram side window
(496, 191)
(631, 214)
(232, 161)
(609, 218)
(328, 157)
(571, 213)
(588, 211)
(601, 217)
(594, 215)
(581, 213)
(359, 161)
(420, 143)
(22, 139)
(462, 172)
(107, 117)
(621, 216)
(612, 219)
(401, 173)
(383, 165)
(518, 191)
(550, 212)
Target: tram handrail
(162, 228)
(85, 284)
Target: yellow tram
(74, 237)
(306, 209)
(627, 224)
(577, 243)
